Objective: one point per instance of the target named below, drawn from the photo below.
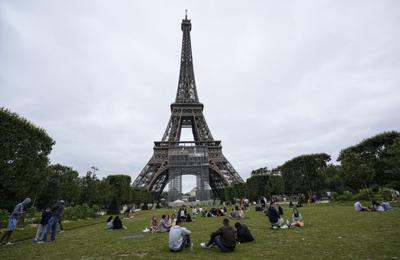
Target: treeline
(373, 162)
(25, 172)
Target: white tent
(176, 203)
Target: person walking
(44, 220)
(56, 214)
(13, 221)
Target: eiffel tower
(202, 157)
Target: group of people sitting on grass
(275, 216)
(225, 238)
(375, 206)
(114, 223)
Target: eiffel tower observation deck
(202, 157)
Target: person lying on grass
(243, 233)
(358, 207)
(179, 237)
(297, 219)
(224, 238)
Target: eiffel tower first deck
(173, 158)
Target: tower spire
(187, 92)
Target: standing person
(61, 226)
(243, 233)
(224, 238)
(179, 237)
(56, 213)
(13, 221)
(44, 220)
(194, 212)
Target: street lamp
(94, 168)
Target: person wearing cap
(224, 238)
(13, 220)
(56, 213)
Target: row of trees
(25, 172)
(374, 161)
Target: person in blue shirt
(13, 220)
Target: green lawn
(331, 232)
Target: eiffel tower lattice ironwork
(173, 158)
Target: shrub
(79, 212)
(345, 196)
(3, 218)
(363, 194)
(386, 194)
(113, 209)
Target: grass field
(331, 232)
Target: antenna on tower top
(185, 14)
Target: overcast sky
(278, 78)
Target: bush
(386, 194)
(345, 196)
(3, 218)
(113, 209)
(79, 212)
(363, 194)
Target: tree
(59, 182)
(304, 173)
(274, 185)
(89, 185)
(120, 187)
(372, 160)
(256, 185)
(24, 150)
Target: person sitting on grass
(179, 238)
(243, 233)
(153, 225)
(46, 215)
(172, 220)
(224, 238)
(274, 217)
(117, 224)
(235, 213)
(241, 214)
(377, 206)
(163, 226)
(297, 219)
(358, 207)
(13, 220)
(109, 222)
(386, 206)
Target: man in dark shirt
(243, 233)
(274, 217)
(224, 238)
(56, 213)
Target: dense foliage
(24, 150)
